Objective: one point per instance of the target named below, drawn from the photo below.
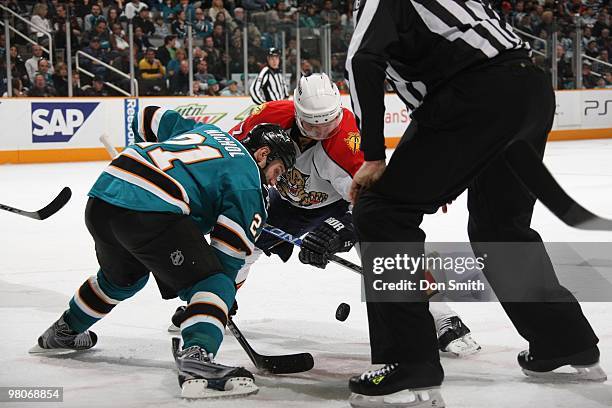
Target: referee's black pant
(457, 142)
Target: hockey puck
(342, 311)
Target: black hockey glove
(327, 239)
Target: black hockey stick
(280, 364)
(50, 209)
(528, 166)
(285, 236)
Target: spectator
(43, 69)
(118, 39)
(162, 29)
(18, 90)
(167, 10)
(608, 77)
(40, 87)
(591, 49)
(143, 21)
(218, 36)
(202, 73)
(97, 88)
(589, 80)
(59, 27)
(141, 41)
(184, 5)
(600, 24)
(101, 32)
(133, 8)
(198, 89)
(202, 27)
(311, 19)
(601, 83)
(19, 70)
(215, 63)
(42, 25)
(179, 82)
(152, 74)
(213, 88)
(587, 36)
(31, 64)
(328, 14)
(175, 64)
(598, 66)
(605, 42)
(60, 79)
(255, 5)
(92, 19)
(179, 26)
(217, 7)
(268, 38)
(239, 18)
(565, 74)
(112, 16)
(168, 52)
(95, 50)
(231, 89)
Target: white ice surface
(283, 308)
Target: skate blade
(173, 329)
(417, 398)
(463, 346)
(55, 351)
(583, 373)
(234, 388)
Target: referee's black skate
(456, 338)
(199, 377)
(59, 337)
(585, 364)
(399, 385)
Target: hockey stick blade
(529, 168)
(285, 236)
(280, 364)
(54, 206)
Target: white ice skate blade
(56, 351)
(234, 388)
(173, 329)
(417, 398)
(582, 373)
(463, 346)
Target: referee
(473, 91)
(270, 84)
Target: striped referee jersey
(269, 86)
(417, 45)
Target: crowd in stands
(542, 18)
(99, 28)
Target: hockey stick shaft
(528, 167)
(54, 206)
(110, 149)
(285, 236)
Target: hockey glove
(327, 239)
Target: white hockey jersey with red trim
(324, 170)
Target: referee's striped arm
(365, 66)
(257, 86)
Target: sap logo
(59, 122)
(600, 107)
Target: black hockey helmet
(273, 136)
(273, 51)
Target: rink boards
(37, 130)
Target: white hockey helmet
(318, 111)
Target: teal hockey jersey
(186, 167)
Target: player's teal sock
(96, 297)
(206, 315)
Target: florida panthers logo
(353, 141)
(292, 186)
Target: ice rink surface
(284, 308)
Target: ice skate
(59, 338)
(455, 337)
(398, 386)
(201, 378)
(585, 365)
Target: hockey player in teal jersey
(148, 213)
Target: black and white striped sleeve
(365, 64)
(257, 87)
